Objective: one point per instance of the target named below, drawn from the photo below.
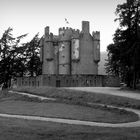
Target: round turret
(64, 50)
(96, 43)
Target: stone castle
(69, 59)
(71, 51)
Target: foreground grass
(82, 97)
(17, 129)
(18, 104)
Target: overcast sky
(31, 16)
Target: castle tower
(86, 63)
(71, 52)
(48, 53)
(96, 43)
(65, 50)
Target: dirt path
(110, 91)
(31, 95)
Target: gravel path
(31, 95)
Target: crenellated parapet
(96, 35)
(65, 33)
(75, 34)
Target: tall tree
(123, 54)
(9, 56)
(33, 64)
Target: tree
(10, 53)
(33, 63)
(123, 54)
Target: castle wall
(69, 81)
(64, 58)
(75, 46)
(56, 58)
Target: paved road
(110, 91)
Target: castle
(71, 52)
(69, 59)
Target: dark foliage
(123, 54)
(32, 56)
(18, 59)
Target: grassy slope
(81, 96)
(17, 104)
(17, 129)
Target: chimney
(85, 26)
(47, 30)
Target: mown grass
(18, 104)
(17, 129)
(83, 97)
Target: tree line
(18, 59)
(124, 52)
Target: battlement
(96, 35)
(76, 33)
(64, 29)
(68, 33)
(65, 33)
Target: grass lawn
(18, 129)
(18, 104)
(70, 104)
(82, 97)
